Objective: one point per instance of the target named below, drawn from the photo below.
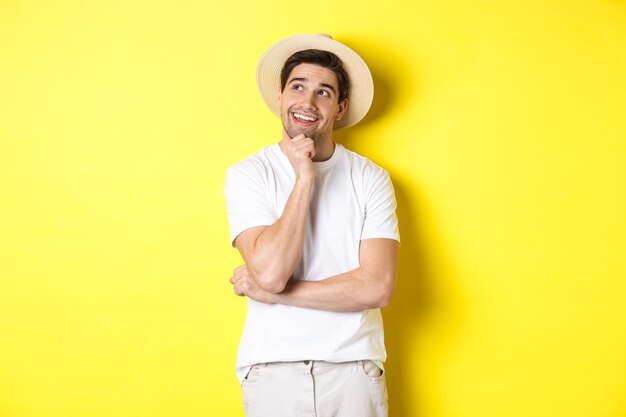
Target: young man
(316, 226)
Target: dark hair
(322, 58)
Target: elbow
(383, 299)
(269, 278)
(270, 283)
(383, 292)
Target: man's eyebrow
(330, 87)
(302, 79)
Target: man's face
(309, 102)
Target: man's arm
(272, 253)
(369, 286)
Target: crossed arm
(368, 286)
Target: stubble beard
(313, 132)
(295, 131)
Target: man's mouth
(305, 119)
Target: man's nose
(309, 100)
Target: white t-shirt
(352, 200)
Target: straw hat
(361, 84)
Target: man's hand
(244, 285)
(300, 151)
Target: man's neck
(324, 151)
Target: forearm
(275, 253)
(355, 290)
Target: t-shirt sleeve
(247, 199)
(380, 208)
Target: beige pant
(315, 389)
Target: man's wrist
(265, 297)
(305, 180)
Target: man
(317, 229)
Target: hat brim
(361, 83)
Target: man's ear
(343, 106)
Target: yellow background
(501, 123)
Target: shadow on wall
(409, 308)
(413, 299)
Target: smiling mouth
(304, 118)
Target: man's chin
(308, 133)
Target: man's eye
(324, 93)
(298, 87)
